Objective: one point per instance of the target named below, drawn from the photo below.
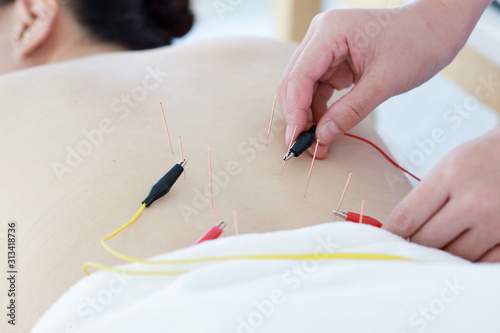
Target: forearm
(409, 44)
(453, 20)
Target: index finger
(423, 202)
(283, 86)
(320, 55)
(309, 68)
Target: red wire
(383, 153)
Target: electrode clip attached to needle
(303, 142)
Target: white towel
(436, 292)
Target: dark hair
(134, 24)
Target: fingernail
(328, 132)
(288, 135)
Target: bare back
(82, 143)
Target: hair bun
(172, 18)
(134, 24)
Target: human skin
(37, 32)
(455, 208)
(60, 221)
(458, 203)
(419, 40)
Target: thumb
(351, 109)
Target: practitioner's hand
(385, 52)
(457, 206)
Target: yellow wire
(123, 227)
(115, 270)
(325, 256)
(113, 234)
(259, 257)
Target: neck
(80, 47)
(70, 41)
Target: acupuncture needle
(182, 152)
(271, 121)
(304, 141)
(166, 126)
(289, 146)
(312, 166)
(343, 194)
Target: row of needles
(210, 175)
(303, 142)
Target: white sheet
(436, 293)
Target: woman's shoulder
(117, 68)
(244, 44)
(191, 50)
